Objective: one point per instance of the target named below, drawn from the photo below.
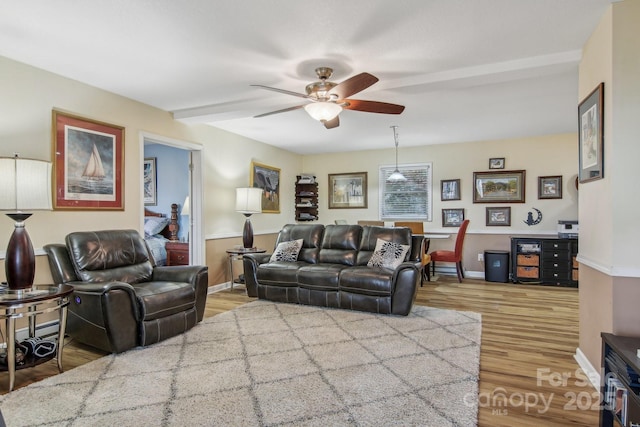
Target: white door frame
(196, 234)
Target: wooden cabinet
(619, 386)
(177, 253)
(306, 198)
(544, 261)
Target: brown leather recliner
(120, 299)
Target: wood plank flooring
(528, 376)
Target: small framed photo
(550, 187)
(591, 135)
(348, 190)
(450, 189)
(499, 216)
(452, 217)
(150, 182)
(496, 163)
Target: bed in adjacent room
(157, 233)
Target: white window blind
(411, 199)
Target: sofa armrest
(196, 275)
(250, 262)
(405, 278)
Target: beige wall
(28, 97)
(538, 156)
(609, 273)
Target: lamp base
(247, 233)
(20, 260)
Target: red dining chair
(452, 256)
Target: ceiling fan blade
(286, 92)
(333, 123)
(284, 110)
(353, 85)
(371, 106)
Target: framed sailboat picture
(88, 163)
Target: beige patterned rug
(270, 364)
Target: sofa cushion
(370, 236)
(340, 244)
(311, 235)
(287, 251)
(320, 276)
(388, 254)
(161, 299)
(367, 280)
(279, 273)
(108, 255)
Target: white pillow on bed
(154, 225)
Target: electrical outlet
(481, 257)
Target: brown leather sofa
(331, 269)
(120, 300)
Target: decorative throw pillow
(388, 254)
(287, 251)
(154, 224)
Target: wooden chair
(367, 222)
(452, 256)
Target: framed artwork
(150, 182)
(550, 187)
(348, 190)
(88, 163)
(496, 163)
(449, 189)
(452, 217)
(499, 187)
(498, 216)
(267, 178)
(591, 135)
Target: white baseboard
(222, 286)
(592, 373)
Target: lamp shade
(25, 184)
(323, 111)
(249, 200)
(186, 208)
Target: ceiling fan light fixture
(323, 111)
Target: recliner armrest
(196, 275)
(250, 263)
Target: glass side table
(29, 303)
(236, 254)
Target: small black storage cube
(496, 266)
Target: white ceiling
(466, 70)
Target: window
(410, 199)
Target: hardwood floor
(528, 376)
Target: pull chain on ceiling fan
(328, 99)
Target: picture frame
(150, 182)
(591, 136)
(550, 187)
(496, 163)
(88, 163)
(348, 190)
(499, 187)
(452, 217)
(449, 189)
(267, 178)
(498, 216)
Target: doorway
(186, 163)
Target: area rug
(272, 364)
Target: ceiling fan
(328, 99)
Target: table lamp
(25, 185)
(248, 202)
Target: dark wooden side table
(29, 303)
(236, 254)
(177, 253)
